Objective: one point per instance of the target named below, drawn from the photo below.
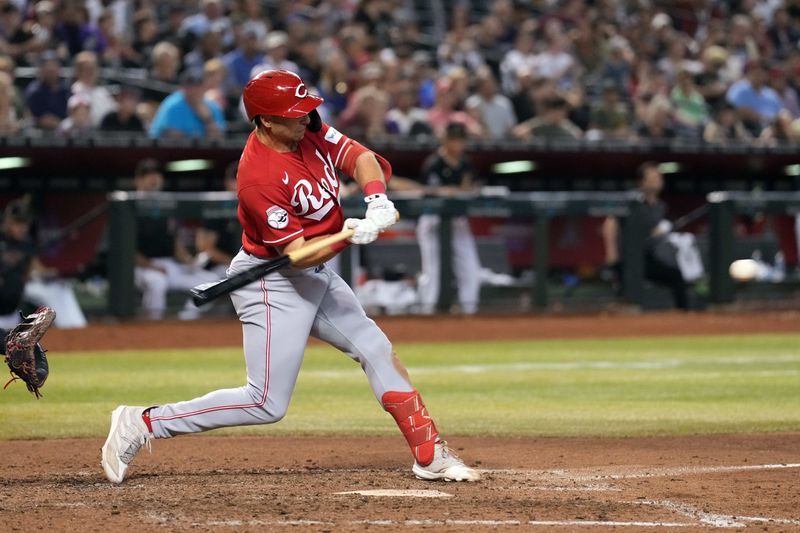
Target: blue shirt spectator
(47, 96)
(752, 98)
(186, 113)
(242, 60)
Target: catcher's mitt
(24, 356)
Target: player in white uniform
(446, 172)
(288, 189)
(162, 263)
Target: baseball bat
(205, 295)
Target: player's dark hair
(642, 169)
(146, 166)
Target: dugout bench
(539, 207)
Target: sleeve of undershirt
(345, 152)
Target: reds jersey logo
(315, 200)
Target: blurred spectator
(47, 96)
(79, 119)
(241, 61)
(145, 37)
(166, 62)
(447, 172)
(365, 115)
(444, 111)
(653, 107)
(788, 95)
(117, 49)
(9, 121)
(75, 31)
(377, 18)
(309, 59)
(187, 113)
(211, 18)
(555, 62)
(779, 131)
(657, 122)
(617, 67)
(277, 48)
(521, 56)
(207, 47)
(536, 51)
(691, 112)
(162, 261)
(172, 31)
(609, 118)
(552, 123)
(522, 99)
(783, 33)
(458, 50)
(7, 66)
(43, 26)
(495, 110)
(756, 103)
(405, 118)
(715, 78)
(214, 74)
(335, 82)
(17, 40)
(676, 61)
(98, 96)
(124, 118)
(725, 127)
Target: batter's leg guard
(414, 422)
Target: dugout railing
(539, 207)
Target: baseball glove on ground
(24, 356)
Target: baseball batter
(288, 193)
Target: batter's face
(286, 131)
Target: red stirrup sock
(146, 419)
(414, 422)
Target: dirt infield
(174, 334)
(248, 484)
(691, 483)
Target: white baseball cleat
(445, 466)
(127, 436)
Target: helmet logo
(301, 91)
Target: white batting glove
(380, 210)
(365, 230)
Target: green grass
(649, 386)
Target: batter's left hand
(364, 230)
(380, 210)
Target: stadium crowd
(715, 70)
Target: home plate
(400, 493)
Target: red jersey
(287, 195)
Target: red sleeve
(345, 151)
(269, 217)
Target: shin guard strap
(414, 422)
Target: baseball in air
(743, 269)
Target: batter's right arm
(322, 256)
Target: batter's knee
(268, 412)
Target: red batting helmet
(280, 93)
